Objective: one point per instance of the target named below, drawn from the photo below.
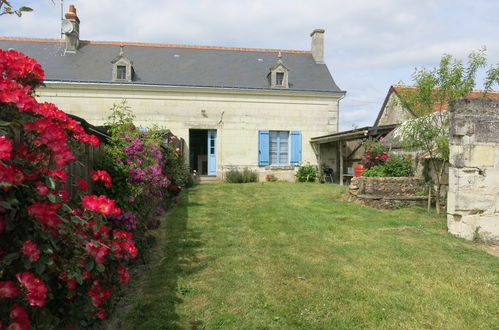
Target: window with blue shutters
(279, 147)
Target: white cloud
(369, 44)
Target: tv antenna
(62, 17)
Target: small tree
(7, 9)
(435, 88)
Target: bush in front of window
(271, 178)
(244, 176)
(306, 173)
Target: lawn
(297, 256)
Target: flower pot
(359, 168)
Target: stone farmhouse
(234, 107)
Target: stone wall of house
(473, 197)
(387, 192)
(236, 115)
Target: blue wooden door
(212, 152)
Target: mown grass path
(296, 256)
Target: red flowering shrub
(374, 153)
(60, 259)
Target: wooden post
(340, 159)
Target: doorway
(203, 151)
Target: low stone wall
(473, 197)
(388, 192)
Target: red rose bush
(60, 258)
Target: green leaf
(50, 182)
(78, 220)
(66, 207)
(40, 267)
(79, 278)
(90, 265)
(47, 249)
(10, 257)
(100, 268)
(13, 201)
(6, 205)
(24, 8)
(53, 198)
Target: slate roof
(175, 65)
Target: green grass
(296, 256)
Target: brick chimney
(318, 45)
(71, 29)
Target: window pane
(273, 147)
(283, 147)
(279, 78)
(121, 72)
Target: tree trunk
(429, 198)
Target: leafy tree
(435, 88)
(7, 9)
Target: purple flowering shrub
(148, 169)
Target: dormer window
(279, 74)
(122, 67)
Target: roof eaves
(352, 134)
(188, 86)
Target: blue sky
(369, 45)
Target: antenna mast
(62, 16)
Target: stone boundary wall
(388, 192)
(473, 197)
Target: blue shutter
(295, 147)
(263, 148)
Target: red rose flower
(98, 294)
(8, 289)
(41, 188)
(103, 176)
(98, 252)
(63, 195)
(31, 251)
(45, 213)
(5, 147)
(59, 175)
(37, 291)
(100, 313)
(123, 274)
(82, 184)
(100, 204)
(19, 317)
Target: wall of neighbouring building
(237, 115)
(473, 197)
(394, 112)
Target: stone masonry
(473, 197)
(386, 193)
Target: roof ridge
(472, 91)
(160, 45)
